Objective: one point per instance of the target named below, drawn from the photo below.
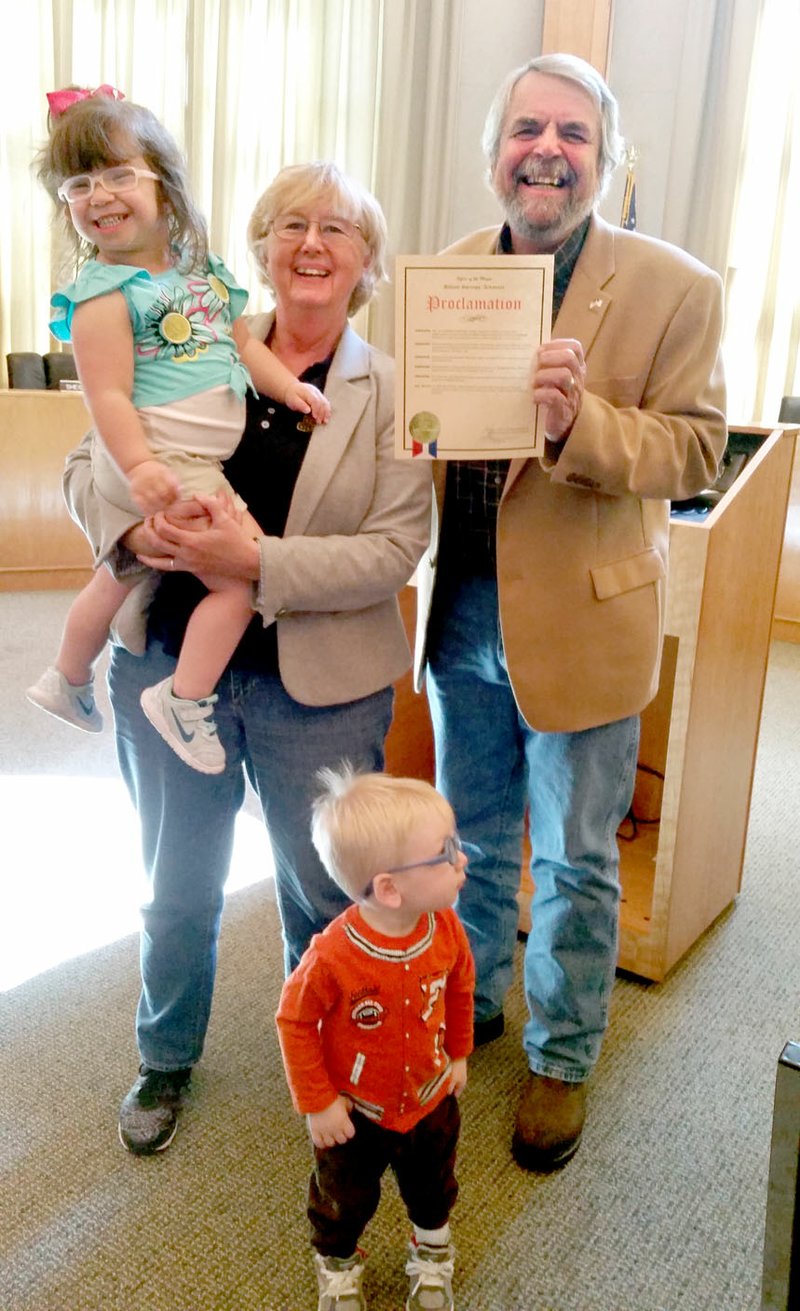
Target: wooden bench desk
(40, 546)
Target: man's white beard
(554, 230)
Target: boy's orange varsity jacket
(378, 1019)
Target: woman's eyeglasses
(122, 177)
(332, 230)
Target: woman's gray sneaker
(148, 1117)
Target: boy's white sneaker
(186, 726)
(339, 1279)
(430, 1270)
(75, 705)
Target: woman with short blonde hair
(342, 526)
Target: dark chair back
(59, 366)
(26, 369)
(790, 410)
(40, 372)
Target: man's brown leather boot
(549, 1123)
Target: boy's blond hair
(362, 823)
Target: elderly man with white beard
(542, 606)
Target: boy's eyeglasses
(122, 177)
(332, 230)
(450, 852)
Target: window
(244, 87)
(762, 335)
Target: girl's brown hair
(99, 132)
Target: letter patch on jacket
(432, 989)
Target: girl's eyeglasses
(122, 177)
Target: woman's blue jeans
(577, 788)
(187, 822)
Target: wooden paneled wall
(579, 27)
(40, 546)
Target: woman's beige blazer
(358, 522)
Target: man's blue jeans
(577, 787)
(188, 819)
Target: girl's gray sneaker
(186, 726)
(75, 705)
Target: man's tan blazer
(583, 533)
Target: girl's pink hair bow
(61, 100)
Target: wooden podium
(701, 731)
(780, 1287)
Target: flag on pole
(628, 217)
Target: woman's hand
(208, 539)
(145, 540)
(142, 539)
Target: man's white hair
(572, 69)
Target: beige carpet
(662, 1209)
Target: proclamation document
(467, 329)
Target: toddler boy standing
(375, 1027)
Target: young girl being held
(165, 363)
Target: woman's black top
(263, 470)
